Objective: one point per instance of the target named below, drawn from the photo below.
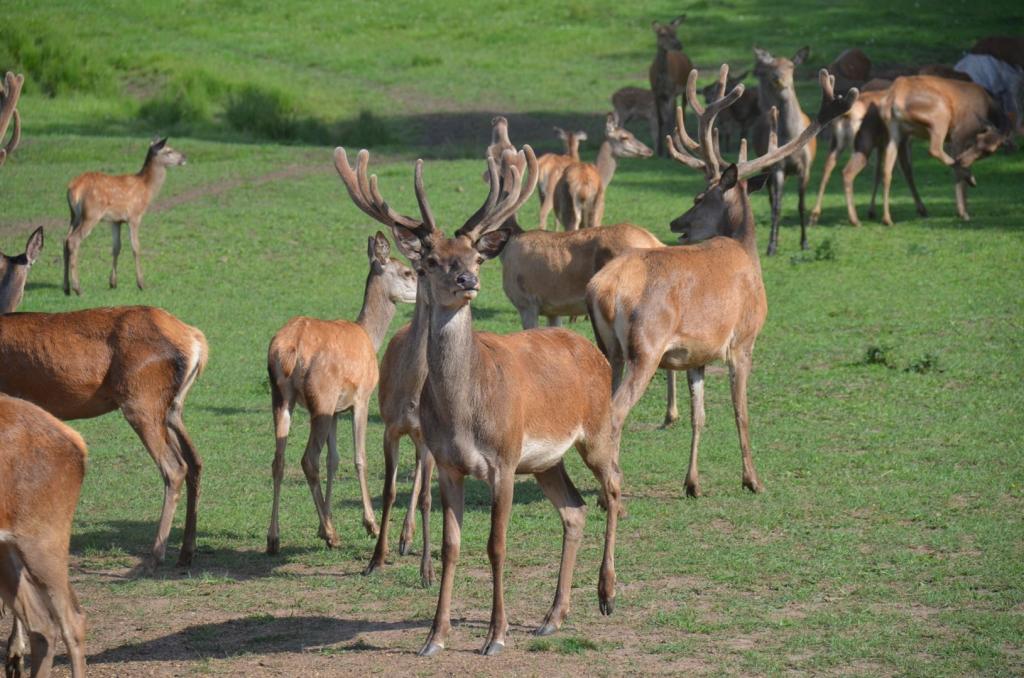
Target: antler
(507, 193)
(711, 161)
(832, 107)
(367, 197)
(8, 101)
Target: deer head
(162, 154)
(776, 73)
(14, 272)
(399, 280)
(623, 143)
(666, 34)
(9, 94)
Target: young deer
(937, 108)
(636, 103)
(579, 193)
(42, 463)
(329, 367)
(14, 272)
(734, 123)
(668, 74)
(777, 91)
(684, 307)
(9, 94)
(494, 406)
(138, 359)
(551, 166)
(94, 197)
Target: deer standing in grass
(668, 73)
(14, 272)
(580, 192)
(329, 367)
(494, 406)
(777, 90)
(137, 359)
(684, 307)
(632, 103)
(735, 122)
(551, 166)
(938, 109)
(42, 463)
(94, 197)
(9, 95)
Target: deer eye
(432, 262)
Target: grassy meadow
(885, 401)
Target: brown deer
(636, 103)
(668, 74)
(14, 272)
(580, 192)
(494, 406)
(852, 68)
(10, 92)
(684, 307)
(551, 166)
(42, 463)
(94, 197)
(330, 367)
(736, 121)
(777, 90)
(938, 109)
(863, 132)
(138, 359)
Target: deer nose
(467, 281)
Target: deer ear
(801, 56)
(560, 133)
(655, 25)
(34, 245)
(678, 20)
(581, 136)
(756, 183)
(408, 243)
(729, 178)
(491, 244)
(379, 249)
(763, 56)
(158, 144)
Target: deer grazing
(736, 121)
(10, 92)
(14, 272)
(937, 108)
(667, 74)
(636, 103)
(138, 359)
(329, 367)
(551, 166)
(777, 91)
(494, 406)
(684, 307)
(580, 192)
(42, 463)
(94, 197)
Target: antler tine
(516, 195)
(9, 95)
(364, 193)
(681, 156)
(494, 181)
(683, 134)
(832, 106)
(691, 93)
(742, 156)
(421, 198)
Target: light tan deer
(94, 197)
(668, 73)
(10, 92)
(330, 367)
(938, 109)
(138, 359)
(14, 272)
(735, 122)
(636, 103)
(42, 463)
(777, 90)
(684, 307)
(551, 166)
(580, 192)
(494, 406)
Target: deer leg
(392, 438)
(775, 196)
(872, 214)
(826, 174)
(597, 214)
(17, 648)
(426, 460)
(889, 162)
(903, 156)
(547, 202)
(319, 425)
(560, 491)
(858, 160)
(502, 484)
(133, 230)
(360, 414)
(740, 365)
(554, 321)
(453, 501)
(671, 408)
(49, 572)
(76, 235)
(629, 391)
(805, 178)
(34, 632)
(529, 317)
(187, 451)
(695, 378)
(960, 189)
(115, 251)
(409, 526)
(282, 407)
(602, 459)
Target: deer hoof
(372, 566)
(607, 606)
(430, 649)
(14, 666)
(403, 546)
(922, 211)
(427, 575)
(693, 490)
(546, 630)
(113, 282)
(492, 648)
(273, 546)
(753, 485)
(371, 528)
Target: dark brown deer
(852, 68)
(684, 307)
(735, 122)
(94, 197)
(494, 406)
(42, 463)
(9, 95)
(329, 367)
(668, 74)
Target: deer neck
(606, 164)
(741, 224)
(790, 114)
(661, 70)
(452, 358)
(12, 286)
(377, 311)
(154, 174)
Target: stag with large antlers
(684, 307)
(9, 95)
(493, 406)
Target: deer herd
(474, 403)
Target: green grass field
(885, 402)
